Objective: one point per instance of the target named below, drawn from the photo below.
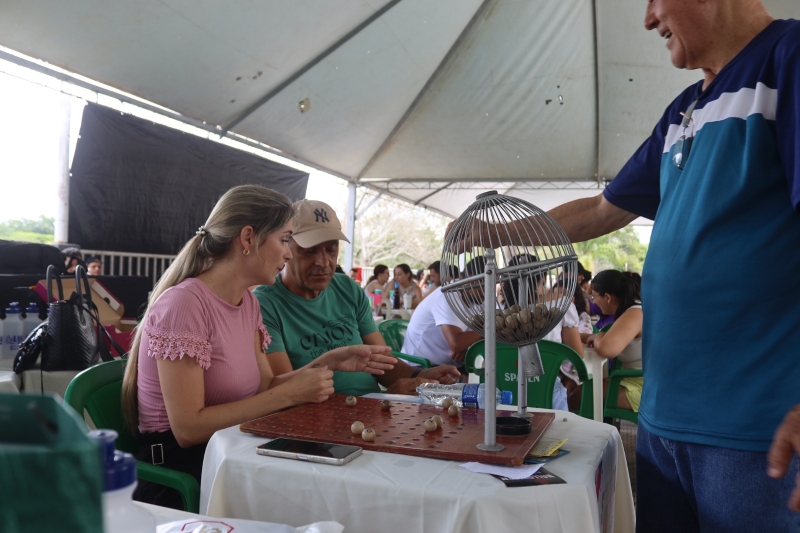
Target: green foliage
(41, 230)
(391, 232)
(620, 250)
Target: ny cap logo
(321, 215)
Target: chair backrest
(98, 390)
(540, 388)
(394, 332)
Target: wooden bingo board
(399, 429)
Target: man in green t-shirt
(311, 310)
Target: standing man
(720, 176)
(719, 421)
(311, 310)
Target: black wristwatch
(416, 372)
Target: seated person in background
(617, 294)
(354, 274)
(197, 364)
(403, 277)
(338, 269)
(564, 332)
(584, 279)
(379, 278)
(72, 258)
(434, 279)
(310, 310)
(94, 265)
(569, 377)
(436, 333)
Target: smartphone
(315, 452)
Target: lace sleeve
(174, 345)
(265, 338)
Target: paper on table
(511, 472)
(546, 447)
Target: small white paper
(511, 472)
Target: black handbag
(72, 337)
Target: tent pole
(350, 227)
(62, 188)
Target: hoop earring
(246, 252)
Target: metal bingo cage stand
(509, 273)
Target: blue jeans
(684, 487)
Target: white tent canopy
(430, 101)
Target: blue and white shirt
(722, 277)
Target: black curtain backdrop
(141, 187)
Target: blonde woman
(197, 363)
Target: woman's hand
(313, 384)
(592, 338)
(371, 359)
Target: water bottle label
(469, 396)
(14, 342)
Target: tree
(41, 230)
(392, 232)
(619, 250)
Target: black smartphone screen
(305, 447)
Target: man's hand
(478, 232)
(785, 445)
(444, 374)
(360, 358)
(458, 357)
(407, 386)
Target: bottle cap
(121, 472)
(105, 438)
(506, 397)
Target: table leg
(594, 364)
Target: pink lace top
(189, 320)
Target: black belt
(161, 448)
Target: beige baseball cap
(316, 222)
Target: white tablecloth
(390, 492)
(7, 383)
(164, 515)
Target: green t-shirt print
(307, 328)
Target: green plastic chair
(394, 332)
(540, 389)
(98, 390)
(611, 410)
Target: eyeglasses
(684, 144)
